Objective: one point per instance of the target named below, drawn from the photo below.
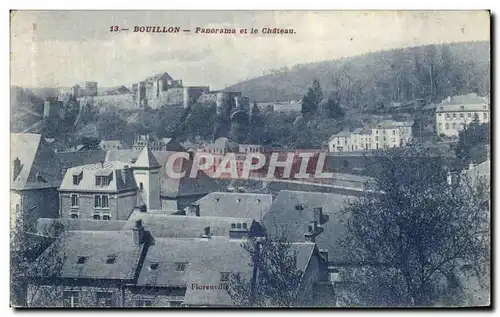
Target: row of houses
(383, 135)
(121, 233)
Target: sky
(63, 48)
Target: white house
(454, 113)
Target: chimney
(324, 254)
(138, 233)
(124, 172)
(17, 168)
(102, 164)
(206, 233)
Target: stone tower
(147, 176)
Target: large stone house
(35, 176)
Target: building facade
(36, 173)
(454, 113)
(383, 135)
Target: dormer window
(82, 260)
(299, 207)
(224, 276)
(244, 225)
(154, 265)
(238, 200)
(233, 226)
(238, 225)
(103, 180)
(111, 259)
(77, 178)
(180, 266)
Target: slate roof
(111, 143)
(393, 124)
(155, 77)
(170, 187)
(286, 217)
(247, 205)
(205, 259)
(96, 246)
(73, 159)
(48, 226)
(40, 167)
(469, 102)
(341, 134)
(225, 144)
(169, 226)
(146, 159)
(119, 181)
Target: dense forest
(431, 72)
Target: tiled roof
(168, 226)
(122, 177)
(205, 259)
(245, 205)
(292, 211)
(96, 246)
(40, 167)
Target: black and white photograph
(250, 159)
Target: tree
(417, 227)
(256, 125)
(332, 109)
(312, 99)
(275, 280)
(472, 143)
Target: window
(447, 126)
(143, 303)
(385, 139)
(154, 265)
(439, 115)
(453, 125)
(106, 217)
(461, 115)
(17, 209)
(101, 201)
(111, 259)
(81, 260)
(97, 217)
(233, 225)
(454, 116)
(469, 115)
(338, 141)
(224, 276)
(376, 138)
(244, 225)
(74, 200)
(238, 226)
(485, 116)
(71, 298)
(175, 303)
(393, 132)
(104, 299)
(74, 215)
(345, 141)
(440, 125)
(299, 207)
(141, 186)
(77, 178)
(102, 180)
(180, 266)
(448, 115)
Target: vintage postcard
(250, 159)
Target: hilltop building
(454, 113)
